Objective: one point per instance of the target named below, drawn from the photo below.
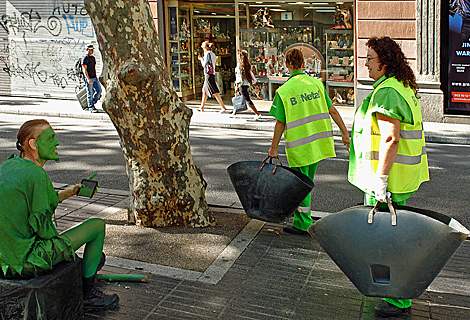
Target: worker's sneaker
(95, 299)
(385, 309)
(294, 230)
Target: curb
(430, 137)
(446, 140)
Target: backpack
(78, 68)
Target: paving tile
(118, 313)
(327, 307)
(218, 292)
(280, 311)
(189, 313)
(191, 305)
(254, 304)
(321, 314)
(209, 300)
(278, 276)
(332, 298)
(236, 313)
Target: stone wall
(415, 25)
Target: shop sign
(286, 16)
(459, 57)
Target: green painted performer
(388, 153)
(31, 244)
(303, 109)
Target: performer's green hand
(91, 178)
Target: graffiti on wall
(41, 46)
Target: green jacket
(30, 242)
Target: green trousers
(400, 303)
(302, 216)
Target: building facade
(41, 40)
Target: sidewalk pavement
(264, 273)
(434, 132)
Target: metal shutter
(43, 39)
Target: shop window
(324, 33)
(180, 60)
(215, 23)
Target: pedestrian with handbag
(244, 78)
(209, 87)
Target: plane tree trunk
(167, 188)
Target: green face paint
(47, 144)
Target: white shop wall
(40, 42)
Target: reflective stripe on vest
(304, 209)
(308, 131)
(299, 122)
(400, 158)
(309, 139)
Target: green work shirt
(389, 102)
(277, 109)
(30, 242)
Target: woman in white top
(210, 87)
(244, 78)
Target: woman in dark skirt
(209, 88)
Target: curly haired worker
(388, 152)
(303, 109)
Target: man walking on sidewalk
(93, 90)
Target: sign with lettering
(458, 82)
(286, 15)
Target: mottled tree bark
(167, 189)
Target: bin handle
(370, 216)
(271, 162)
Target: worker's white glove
(380, 188)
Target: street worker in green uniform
(388, 153)
(30, 243)
(303, 109)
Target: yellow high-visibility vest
(308, 132)
(410, 167)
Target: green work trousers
(302, 216)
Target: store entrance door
(215, 23)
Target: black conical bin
(384, 260)
(265, 195)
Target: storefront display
(323, 32)
(221, 33)
(340, 65)
(180, 62)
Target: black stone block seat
(56, 294)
